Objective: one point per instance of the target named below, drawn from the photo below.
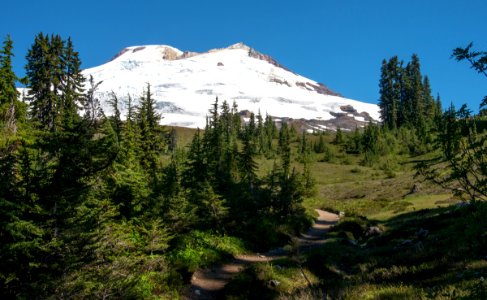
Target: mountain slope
(185, 84)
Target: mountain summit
(185, 84)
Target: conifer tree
(320, 146)
(416, 92)
(429, 101)
(53, 168)
(370, 143)
(338, 137)
(304, 148)
(8, 93)
(37, 71)
(461, 159)
(438, 107)
(11, 109)
(196, 168)
(21, 231)
(247, 164)
(251, 128)
(212, 141)
(151, 143)
(390, 94)
(116, 118)
(71, 85)
(285, 149)
(270, 132)
(236, 121)
(130, 132)
(405, 96)
(199, 178)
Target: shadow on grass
(431, 253)
(428, 250)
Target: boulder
(274, 283)
(373, 231)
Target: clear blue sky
(338, 43)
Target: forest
(95, 206)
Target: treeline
(405, 96)
(459, 161)
(453, 141)
(96, 207)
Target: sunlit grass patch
(413, 203)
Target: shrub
(198, 249)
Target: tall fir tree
(11, 109)
(390, 93)
(151, 142)
(115, 119)
(43, 72)
(416, 92)
(285, 149)
(71, 86)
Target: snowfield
(185, 85)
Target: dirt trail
(205, 283)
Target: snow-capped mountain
(185, 84)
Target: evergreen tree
(320, 146)
(116, 118)
(172, 140)
(71, 85)
(270, 132)
(438, 107)
(196, 169)
(236, 121)
(416, 93)
(338, 137)
(405, 97)
(370, 144)
(11, 109)
(130, 132)
(8, 92)
(22, 230)
(461, 159)
(285, 149)
(477, 60)
(247, 165)
(461, 156)
(406, 103)
(199, 178)
(389, 96)
(251, 128)
(151, 142)
(429, 102)
(44, 74)
(304, 148)
(52, 170)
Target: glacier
(185, 84)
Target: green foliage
(477, 60)
(460, 164)
(405, 97)
(94, 207)
(12, 111)
(55, 82)
(123, 259)
(200, 249)
(151, 135)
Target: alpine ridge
(185, 84)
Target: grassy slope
(447, 263)
(400, 263)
